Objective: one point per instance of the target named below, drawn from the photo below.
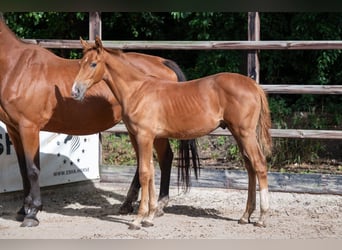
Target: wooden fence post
(253, 67)
(95, 25)
(95, 29)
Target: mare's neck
(122, 77)
(7, 38)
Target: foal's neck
(122, 69)
(124, 78)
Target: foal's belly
(188, 130)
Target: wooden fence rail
(303, 89)
(196, 45)
(279, 133)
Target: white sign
(63, 159)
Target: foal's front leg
(133, 191)
(148, 203)
(152, 204)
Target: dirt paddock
(90, 211)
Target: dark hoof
(20, 214)
(20, 217)
(133, 227)
(147, 224)
(126, 209)
(259, 224)
(29, 222)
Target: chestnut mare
(154, 108)
(35, 95)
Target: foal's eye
(93, 65)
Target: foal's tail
(264, 125)
(185, 147)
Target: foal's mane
(116, 52)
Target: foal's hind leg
(251, 198)
(256, 166)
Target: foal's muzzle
(78, 91)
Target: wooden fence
(252, 46)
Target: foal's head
(92, 68)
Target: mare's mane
(12, 35)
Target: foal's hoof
(259, 224)
(29, 222)
(243, 221)
(126, 209)
(147, 223)
(133, 227)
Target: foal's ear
(84, 43)
(98, 43)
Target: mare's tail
(174, 66)
(185, 147)
(264, 125)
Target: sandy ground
(90, 211)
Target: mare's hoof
(259, 224)
(20, 214)
(20, 217)
(29, 222)
(133, 227)
(147, 223)
(126, 209)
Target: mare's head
(92, 68)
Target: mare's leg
(133, 192)
(30, 141)
(16, 141)
(165, 157)
(256, 165)
(148, 203)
